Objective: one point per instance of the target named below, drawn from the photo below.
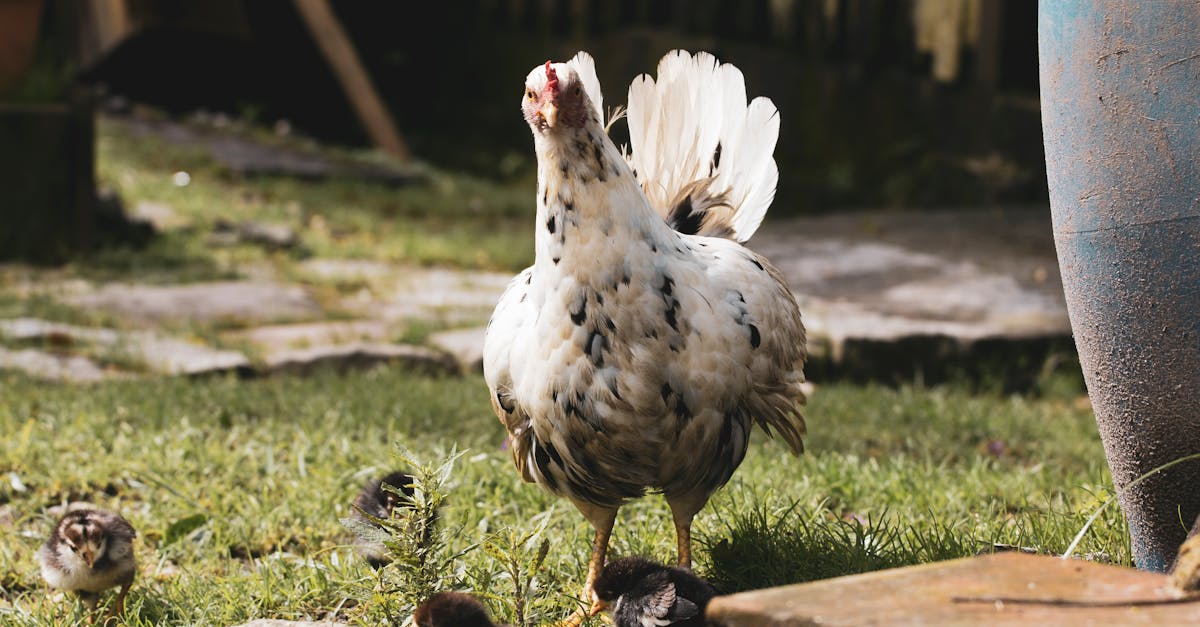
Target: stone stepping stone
(466, 345)
(1002, 589)
(347, 269)
(358, 356)
(159, 353)
(453, 296)
(894, 293)
(220, 301)
(26, 329)
(280, 337)
(173, 356)
(53, 367)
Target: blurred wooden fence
(821, 29)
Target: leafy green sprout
(422, 564)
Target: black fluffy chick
(452, 609)
(640, 592)
(374, 501)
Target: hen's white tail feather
(704, 158)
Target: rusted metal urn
(1120, 87)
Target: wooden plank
(1002, 589)
(339, 52)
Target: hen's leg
(596, 563)
(683, 510)
(602, 519)
(683, 542)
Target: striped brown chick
(90, 551)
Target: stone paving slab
(452, 296)
(1002, 589)
(274, 338)
(360, 355)
(466, 345)
(174, 356)
(890, 288)
(25, 329)
(51, 366)
(228, 301)
(159, 353)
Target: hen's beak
(549, 114)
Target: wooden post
(19, 20)
(988, 48)
(46, 172)
(338, 50)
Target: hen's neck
(589, 205)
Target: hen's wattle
(633, 355)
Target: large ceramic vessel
(1121, 116)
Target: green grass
(237, 488)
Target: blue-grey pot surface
(1120, 89)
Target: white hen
(643, 342)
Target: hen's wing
(701, 154)
(513, 312)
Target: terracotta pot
(1121, 119)
(19, 22)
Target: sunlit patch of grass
(237, 488)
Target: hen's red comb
(551, 77)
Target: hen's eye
(529, 94)
(577, 90)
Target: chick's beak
(549, 113)
(89, 557)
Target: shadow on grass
(164, 258)
(756, 548)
